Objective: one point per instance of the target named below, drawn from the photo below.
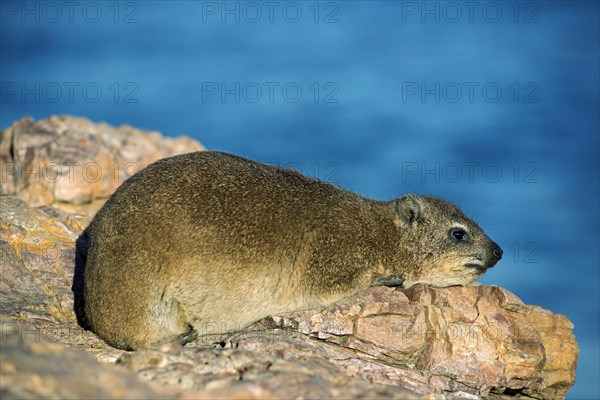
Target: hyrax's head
(443, 246)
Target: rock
(292, 366)
(478, 339)
(75, 165)
(37, 264)
(33, 367)
(460, 342)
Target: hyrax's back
(210, 241)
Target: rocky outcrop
(74, 164)
(476, 339)
(33, 367)
(460, 342)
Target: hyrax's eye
(459, 234)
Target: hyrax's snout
(495, 254)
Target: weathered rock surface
(477, 339)
(33, 367)
(282, 365)
(74, 164)
(467, 342)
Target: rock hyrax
(209, 242)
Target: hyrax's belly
(218, 296)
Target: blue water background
(525, 164)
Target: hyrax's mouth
(477, 262)
(479, 266)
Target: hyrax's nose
(497, 252)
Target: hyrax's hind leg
(169, 322)
(189, 336)
(142, 323)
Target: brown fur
(214, 242)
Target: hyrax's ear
(409, 208)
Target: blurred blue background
(493, 106)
